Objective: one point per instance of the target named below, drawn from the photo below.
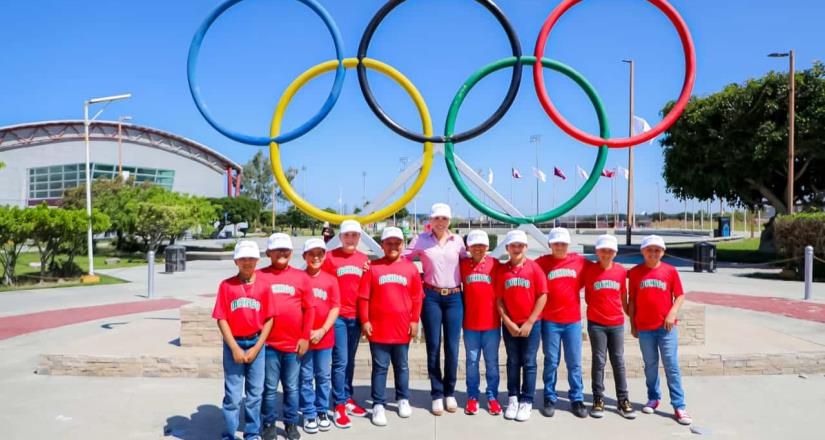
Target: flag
(640, 126)
(559, 173)
(539, 174)
(624, 172)
(489, 176)
(582, 172)
(608, 173)
(516, 174)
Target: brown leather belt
(443, 291)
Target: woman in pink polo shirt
(439, 251)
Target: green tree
(61, 231)
(733, 144)
(257, 181)
(2, 165)
(116, 198)
(234, 210)
(15, 228)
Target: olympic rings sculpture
(361, 63)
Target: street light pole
(536, 139)
(630, 218)
(791, 121)
(91, 277)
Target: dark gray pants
(607, 341)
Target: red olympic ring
(664, 124)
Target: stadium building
(43, 159)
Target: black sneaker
(597, 410)
(270, 432)
(292, 431)
(626, 409)
(323, 422)
(548, 409)
(579, 410)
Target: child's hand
(513, 329)
(366, 266)
(316, 335)
(413, 329)
(238, 355)
(251, 354)
(303, 346)
(525, 329)
(670, 321)
(634, 332)
(366, 329)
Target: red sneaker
(354, 410)
(683, 417)
(494, 407)
(340, 417)
(472, 407)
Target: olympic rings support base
(595, 173)
(275, 151)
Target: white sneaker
(379, 416)
(512, 408)
(451, 404)
(404, 409)
(438, 407)
(524, 410)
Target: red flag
(559, 173)
(608, 173)
(516, 174)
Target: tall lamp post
(91, 277)
(630, 219)
(791, 117)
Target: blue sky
(59, 53)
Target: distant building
(43, 159)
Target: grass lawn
(735, 251)
(29, 277)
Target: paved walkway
(780, 306)
(16, 325)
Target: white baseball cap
(350, 226)
(477, 236)
(247, 249)
(314, 243)
(279, 240)
(441, 210)
(515, 236)
(653, 240)
(558, 235)
(392, 232)
(607, 242)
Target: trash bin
(723, 227)
(175, 259)
(704, 257)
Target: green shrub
(793, 232)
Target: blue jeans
(553, 337)
(652, 343)
(315, 364)
(283, 367)
(347, 335)
(521, 357)
(236, 377)
(382, 355)
(477, 343)
(438, 311)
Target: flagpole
(536, 139)
(576, 208)
(613, 196)
(554, 200)
(630, 219)
(596, 193)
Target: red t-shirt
(390, 299)
(327, 297)
(520, 287)
(245, 307)
(564, 279)
(653, 291)
(294, 306)
(603, 291)
(480, 311)
(348, 269)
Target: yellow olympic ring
(275, 151)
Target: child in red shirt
(605, 290)
(561, 323)
(521, 292)
(291, 293)
(316, 363)
(656, 296)
(389, 307)
(347, 265)
(244, 314)
(482, 323)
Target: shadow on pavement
(206, 422)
